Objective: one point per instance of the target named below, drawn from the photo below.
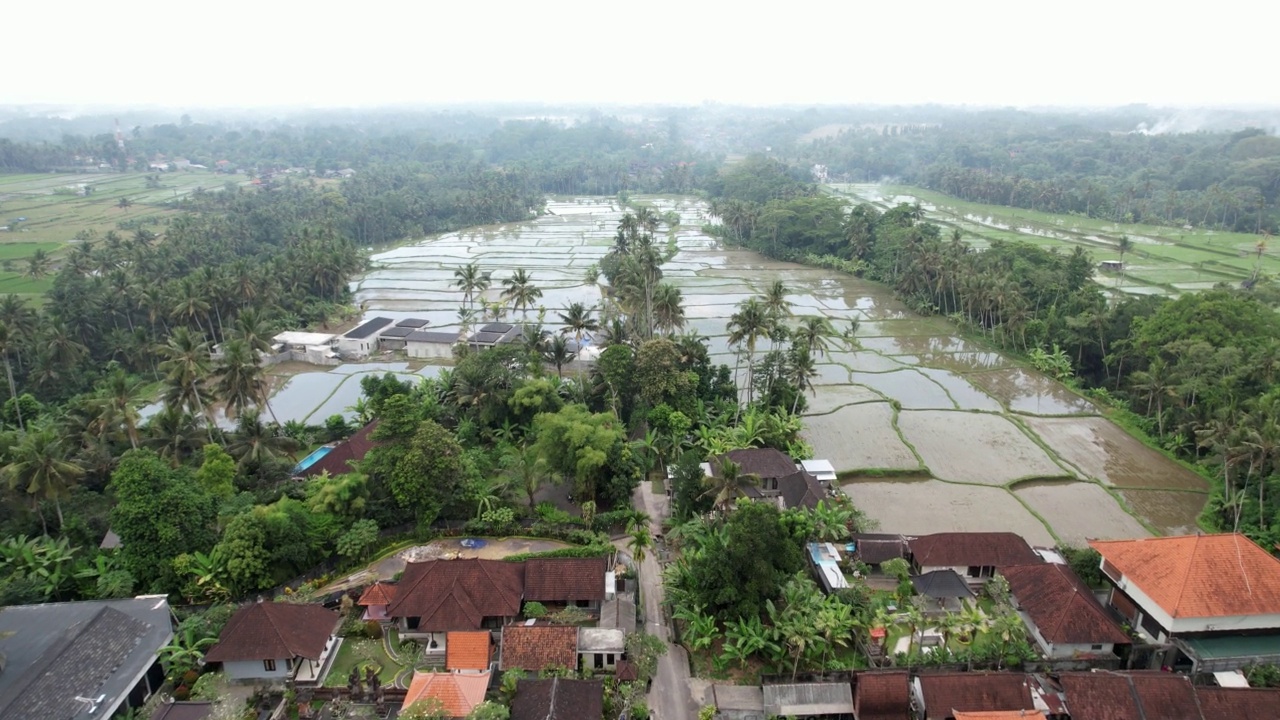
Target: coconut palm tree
(253, 329)
(38, 264)
(191, 304)
(527, 468)
(471, 281)
(556, 352)
(775, 301)
(668, 308)
(730, 484)
(639, 540)
(814, 333)
(746, 327)
(39, 467)
(7, 341)
(255, 442)
(174, 434)
(185, 367)
(520, 291)
(120, 398)
(578, 321)
(241, 383)
(801, 371)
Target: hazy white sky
(374, 52)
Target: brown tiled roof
(564, 579)
(537, 647)
(379, 593)
(761, 462)
(800, 490)
(960, 549)
(1199, 576)
(458, 693)
(626, 671)
(1238, 703)
(458, 594)
(1062, 607)
(1001, 715)
(875, 548)
(945, 693)
(353, 449)
(1166, 696)
(882, 696)
(1123, 696)
(558, 699)
(271, 631)
(469, 650)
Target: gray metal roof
(497, 327)
(942, 584)
(367, 329)
(396, 332)
(808, 699)
(424, 336)
(412, 322)
(744, 698)
(59, 651)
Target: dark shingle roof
(537, 647)
(485, 338)
(882, 695)
(564, 579)
(397, 332)
(762, 462)
(1238, 703)
(960, 549)
(945, 693)
(272, 630)
(458, 594)
(941, 584)
(558, 699)
(497, 328)
(1122, 696)
(56, 651)
(424, 336)
(368, 328)
(413, 322)
(875, 548)
(801, 490)
(339, 459)
(1062, 607)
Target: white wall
(357, 346)
(255, 670)
(429, 350)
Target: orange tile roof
(1199, 576)
(467, 650)
(458, 694)
(379, 593)
(1001, 715)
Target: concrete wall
(241, 670)
(429, 350)
(357, 347)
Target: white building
(362, 339)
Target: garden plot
(931, 506)
(859, 437)
(1080, 511)
(1103, 451)
(975, 447)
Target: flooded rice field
(977, 420)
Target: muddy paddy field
(929, 431)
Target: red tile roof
(1199, 576)
(1238, 703)
(945, 693)
(1062, 607)
(1123, 696)
(537, 647)
(468, 650)
(353, 449)
(458, 693)
(558, 699)
(379, 593)
(564, 579)
(981, 549)
(271, 631)
(882, 695)
(458, 594)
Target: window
(1095, 647)
(609, 660)
(769, 484)
(269, 665)
(288, 664)
(599, 661)
(582, 603)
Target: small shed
(1111, 266)
(738, 702)
(946, 590)
(600, 648)
(809, 700)
(822, 470)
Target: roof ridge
(272, 622)
(1182, 585)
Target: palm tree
(639, 541)
(1124, 244)
(801, 371)
(813, 334)
(577, 320)
(745, 327)
(241, 382)
(556, 352)
(520, 290)
(120, 397)
(527, 468)
(185, 366)
(253, 329)
(668, 308)
(191, 303)
(173, 434)
(731, 483)
(38, 265)
(775, 301)
(254, 442)
(471, 281)
(7, 341)
(39, 467)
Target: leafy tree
(217, 473)
(429, 474)
(489, 710)
(358, 540)
(576, 443)
(160, 513)
(689, 495)
(660, 377)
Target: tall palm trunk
(13, 392)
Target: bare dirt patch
(974, 447)
(1105, 452)
(932, 506)
(859, 437)
(1080, 511)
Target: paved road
(670, 697)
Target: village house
(457, 694)
(808, 700)
(1212, 600)
(82, 660)
(1061, 612)
(874, 549)
(882, 695)
(375, 600)
(394, 338)
(942, 695)
(434, 597)
(183, 710)
(535, 648)
(600, 649)
(780, 480)
(275, 642)
(341, 458)
(308, 347)
(971, 555)
(566, 581)
(361, 340)
(558, 699)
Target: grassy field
(56, 210)
(1164, 260)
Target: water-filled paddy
(937, 377)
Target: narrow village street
(670, 697)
